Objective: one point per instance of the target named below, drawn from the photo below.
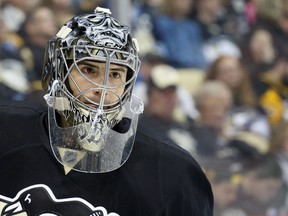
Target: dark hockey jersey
(157, 179)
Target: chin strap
(58, 103)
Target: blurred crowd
(214, 79)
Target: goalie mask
(89, 71)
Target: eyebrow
(116, 67)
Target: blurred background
(214, 80)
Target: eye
(87, 70)
(115, 75)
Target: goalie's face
(96, 85)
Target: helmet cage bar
(109, 58)
(63, 92)
(124, 58)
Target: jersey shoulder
(165, 156)
(21, 122)
(157, 142)
(179, 175)
(22, 108)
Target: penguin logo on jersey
(39, 200)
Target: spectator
(225, 177)
(280, 31)
(38, 27)
(149, 7)
(273, 91)
(268, 69)
(279, 146)
(178, 37)
(185, 104)
(259, 52)
(267, 57)
(162, 101)
(214, 102)
(14, 83)
(212, 17)
(62, 9)
(144, 13)
(269, 12)
(238, 16)
(81, 6)
(207, 13)
(262, 190)
(245, 113)
(14, 12)
(149, 61)
(230, 70)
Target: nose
(94, 95)
(95, 84)
(98, 92)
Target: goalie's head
(89, 71)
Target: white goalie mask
(90, 69)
